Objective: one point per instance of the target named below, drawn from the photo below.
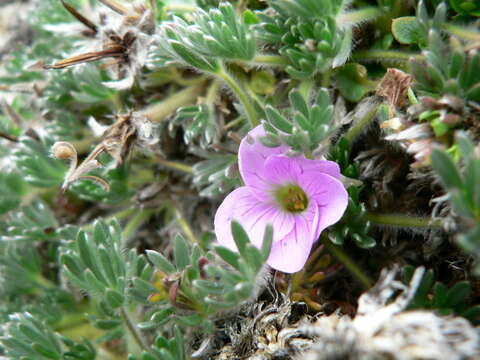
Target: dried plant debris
(128, 130)
(272, 331)
(122, 36)
(383, 329)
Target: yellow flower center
(291, 197)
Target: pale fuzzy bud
(63, 150)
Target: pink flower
(298, 196)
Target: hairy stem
(326, 76)
(241, 94)
(349, 264)
(187, 230)
(159, 111)
(358, 127)
(359, 16)
(305, 88)
(384, 56)
(462, 32)
(233, 123)
(132, 329)
(274, 60)
(403, 220)
(175, 165)
(135, 222)
(212, 93)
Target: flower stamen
(292, 198)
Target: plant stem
(135, 222)
(387, 56)
(326, 78)
(462, 32)
(305, 88)
(233, 123)
(159, 111)
(175, 165)
(403, 220)
(122, 214)
(179, 8)
(132, 328)
(241, 94)
(351, 266)
(357, 128)
(186, 227)
(357, 16)
(274, 60)
(212, 92)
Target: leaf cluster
(212, 37)
(28, 338)
(437, 296)
(447, 69)
(462, 180)
(415, 29)
(307, 34)
(165, 348)
(202, 282)
(198, 122)
(308, 128)
(33, 222)
(214, 176)
(35, 165)
(97, 263)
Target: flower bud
(63, 150)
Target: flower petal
(251, 160)
(254, 215)
(324, 166)
(281, 169)
(329, 194)
(291, 253)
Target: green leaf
(277, 120)
(440, 295)
(298, 102)
(180, 343)
(114, 298)
(240, 237)
(250, 18)
(72, 265)
(446, 169)
(439, 127)
(424, 288)
(244, 290)
(192, 58)
(472, 314)
(351, 79)
(147, 356)
(161, 317)
(160, 262)
(181, 253)
(46, 352)
(267, 241)
(193, 320)
(406, 30)
(228, 256)
(209, 287)
(106, 324)
(458, 293)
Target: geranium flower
(298, 196)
